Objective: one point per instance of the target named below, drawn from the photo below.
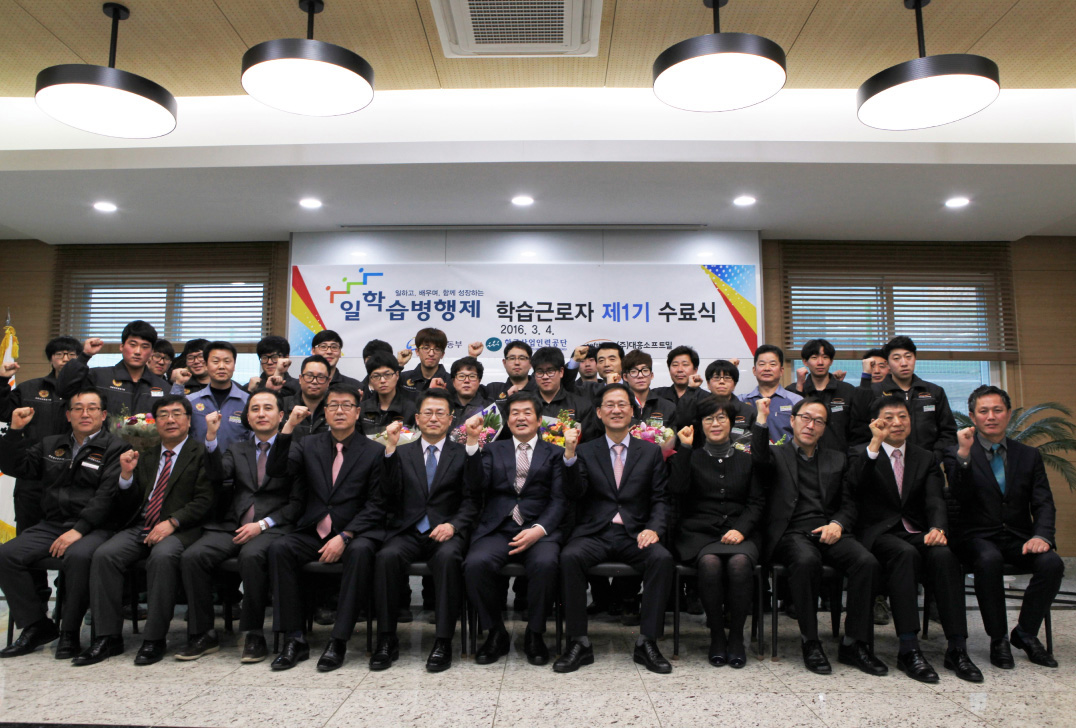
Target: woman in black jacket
(721, 501)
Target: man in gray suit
(255, 510)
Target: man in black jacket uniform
(254, 510)
(1007, 517)
(903, 522)
(428, 486)
(811, 514)
(310, 403)
(837, 395)
(78, 476)
(342, 521)
(386, 403)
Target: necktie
(522, 466)
(156, 499)
(431, 472)
(898, 474)
(263, 455)
(325, 525)
(997, 464)
(618, 471)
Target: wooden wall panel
(26, 291)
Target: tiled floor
(218, 691)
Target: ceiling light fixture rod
(919, 28)
(117, 12)
(311, 8)
(716, 5)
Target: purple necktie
(898, 473)
(325, 525)
(618, 471)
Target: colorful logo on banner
(303, 312)
(736, 284)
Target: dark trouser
(27, 498)
(445, 560)
(287, 555)
(17, 580)
(903, 557)
(615, 543)
(110, 563)
(485, 589)
(804, 558)
(987, 558)
(201, 559)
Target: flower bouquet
(491, 424)
(139, 431)
(651, 431)
(406, 435)
(552, 429)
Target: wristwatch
(263, 525)
(345, 538)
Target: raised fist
(964, 440)
(801, 375)
(212, 425)
(128, 463)
(879, 428)
(275, 383)
(403, 356)
(512, 390)
(21, 417)
(839, 375)
(8, 370)
(694, 381)
(92, 346)
(612, 378)
(437, 383)
(282, 365)
(298, 414)
(181, 376)
(734, 362)
(571, 439)
(392, 435)
(475, 349)
(580, 353)
(474, 429)
(687, 436)
(254, 383)
(762, 405)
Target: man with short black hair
(310, 403)
(638, 373)
(386, 403)
(722, 376)
(222, 395)
(683, 364)
(161, 360)
(588, 365)
(609, 358)
(128, 388)
(430, 343)
(77, 473)
(548, 363)
(273, 356)
(517, 363)
(837, 395)
(328, 344)
(768, 369)
(372, 346)
(189, 370)
(466, 394)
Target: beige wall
(26, 289)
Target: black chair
(836, 595)
(46, 564)
(228, 570)
(757, 622)
(1011, 592)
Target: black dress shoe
(68, 646)
(494, 648)
(386, 652)
(101, 649)
(648, 654)
(574, 657)
(1034, 649)
(151, 652)
(737, 654)
(959, 662)
(254, 649)
(534, 648)
(333, 656)
(1001, 655)
(203, 644)
(718, 655)
(291, 654)
(440, 658)
(36, 635)
(814, 659)
(915, 666)
(858, 654)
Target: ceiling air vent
(518, 28)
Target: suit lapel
(540, 455)
(250, 457)
(986, 473)
(889, 478)
(186, 455)
(351, 456)
(444, 464)
(605, 462)
(635, 452)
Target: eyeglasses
(517, 359)
(546, 373)
(639, 372)
(466, 377)
(310, 378)
(90, 410)
(68, 354)
(721, 378)
(434, 413)
(271, 359)
(328, 347)
(195, 357)
(343, 406)
(431, 349)
(384, 376)
(170, 415)
(807, 420)
(156, 359)
(719, 417)
(613, 406)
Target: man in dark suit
(164, 498)
(1007, 517)
(254, 510)
(342, 521)
(427, 488)
(618, 484)
(903, 522)
(77, 474)
(811, 513)
(521, 484)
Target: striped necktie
(156, 498)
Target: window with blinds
(186, 291)
(955, 300)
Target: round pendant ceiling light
(721, 71)
(307, 76)
(930, 90)
(105, 100)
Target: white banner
(712, 307)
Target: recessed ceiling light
(528, 254)
(310, 203)
(955, 202)
(744, 201)
(522, 200)
(358, 254)
(104, 206)
(703, 254)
